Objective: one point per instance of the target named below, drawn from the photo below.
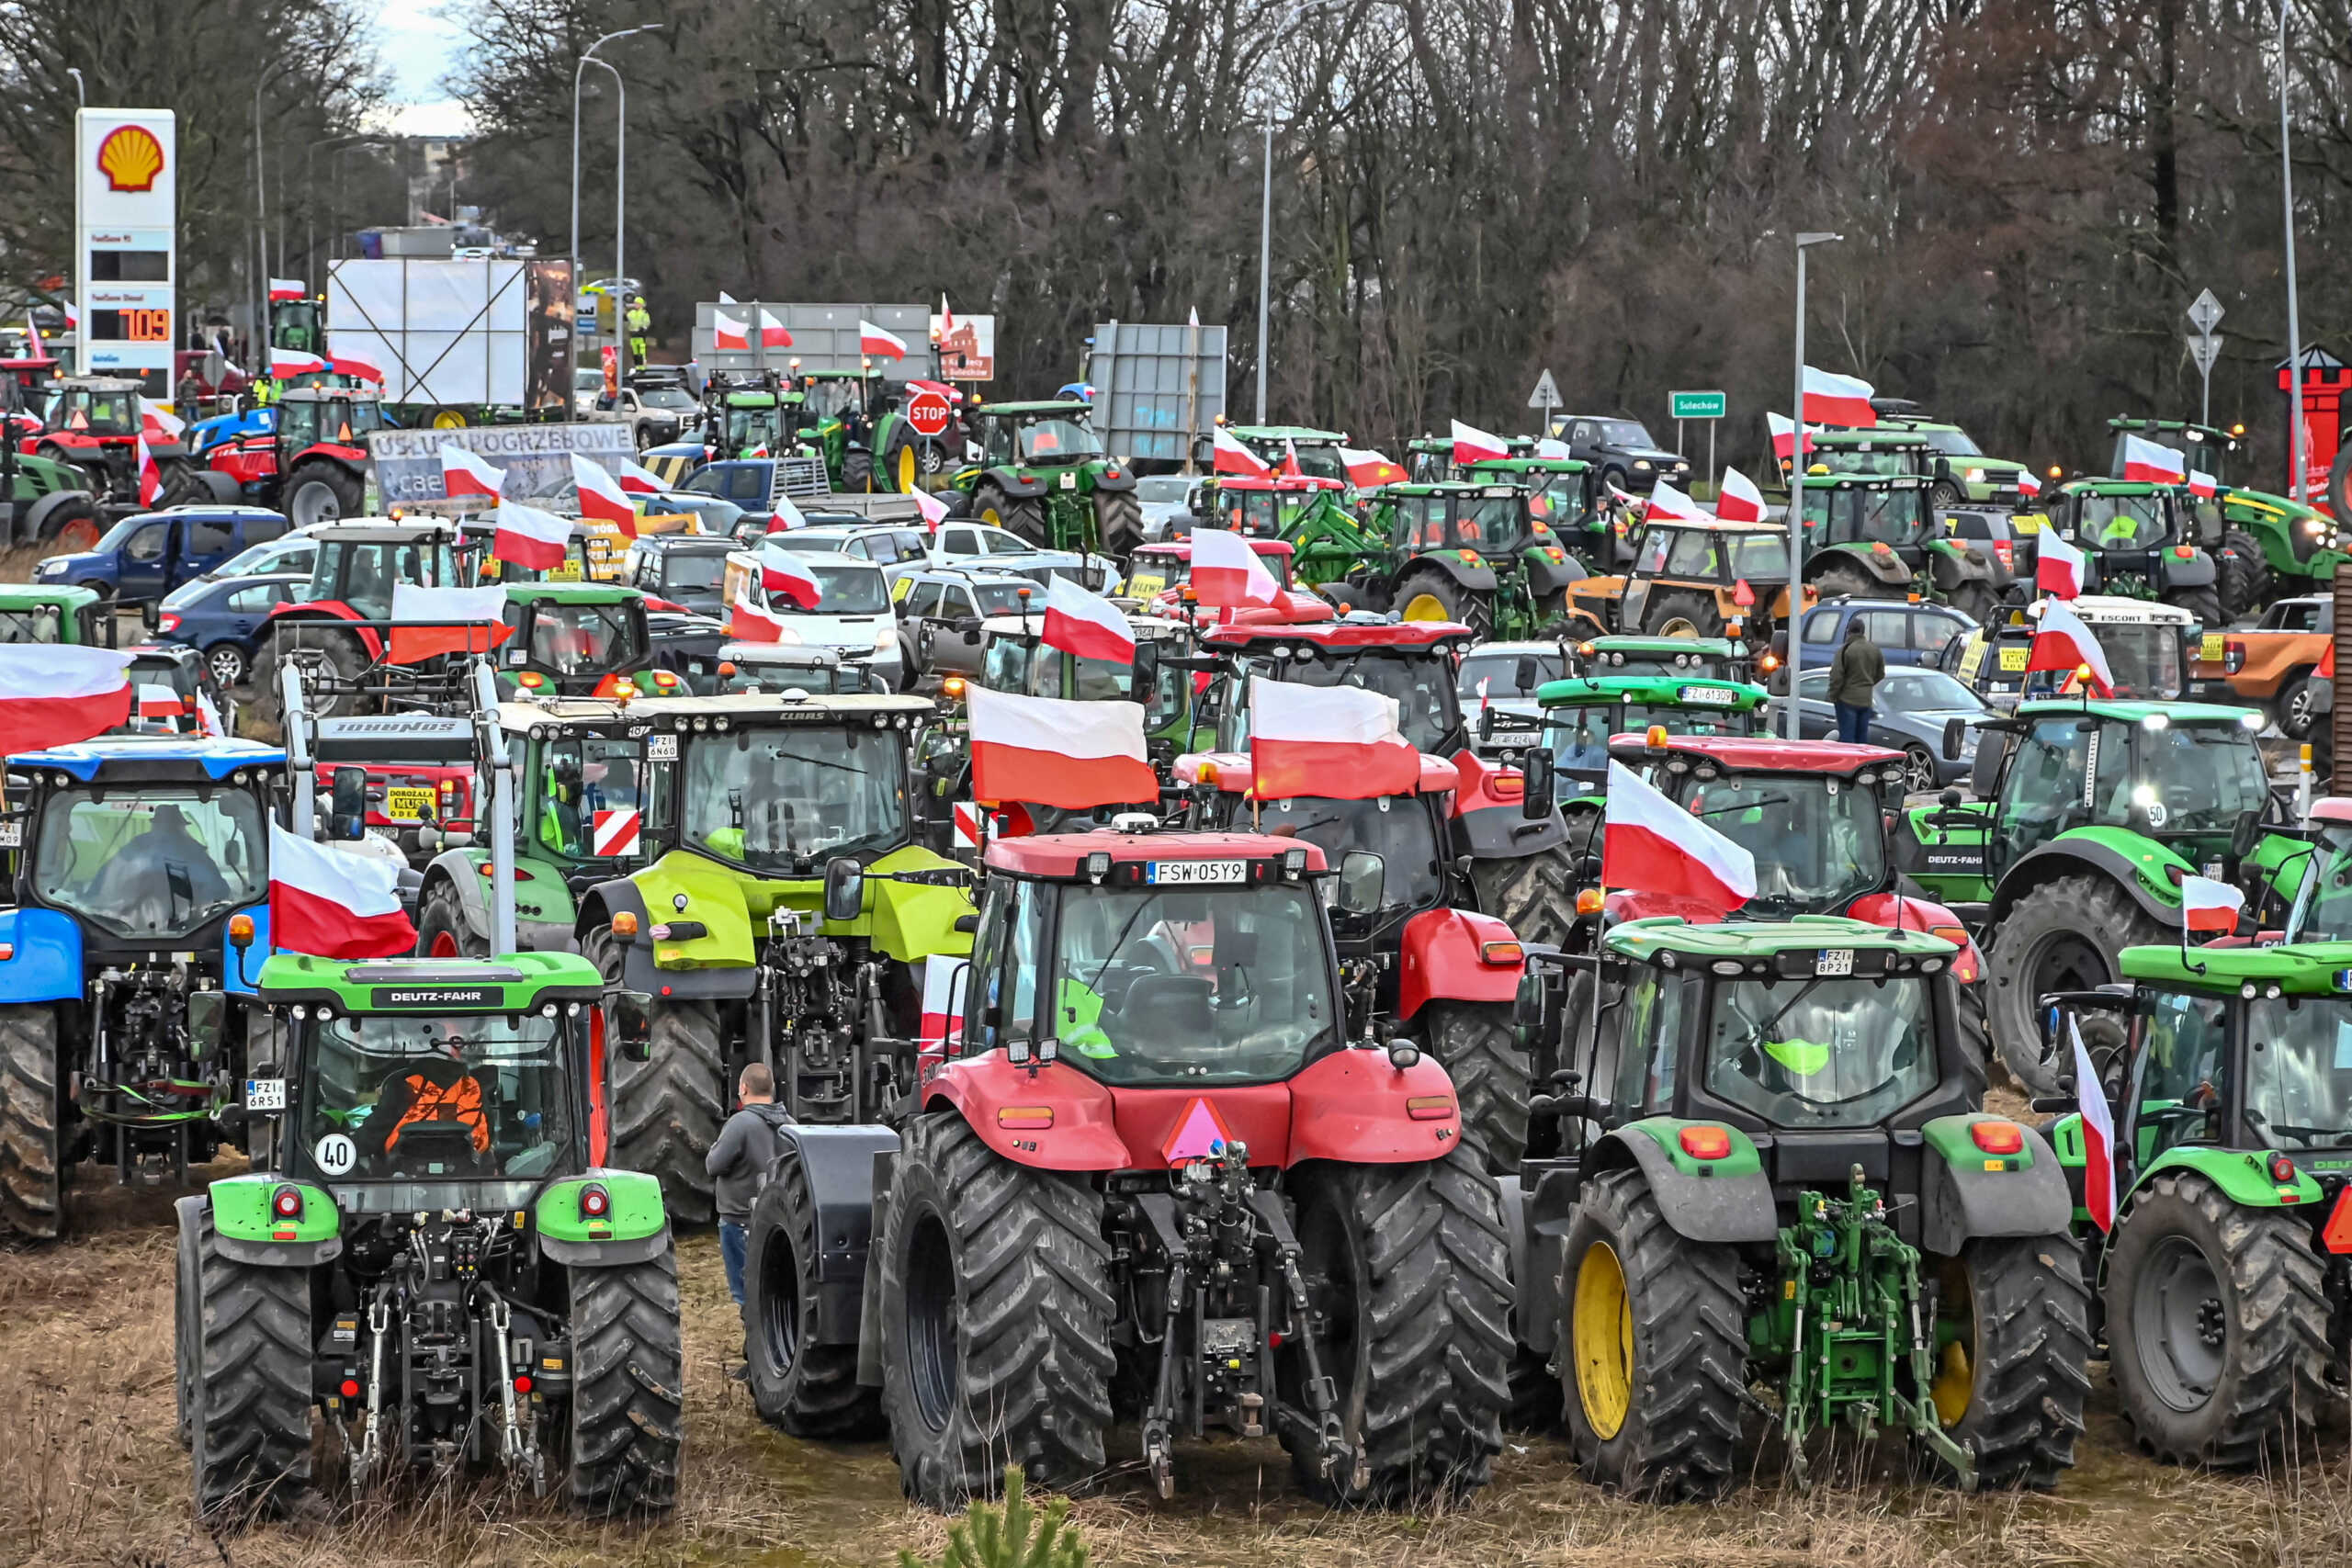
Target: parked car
(648, 424)
(294, 551)
(1510, 671)
(1622, 449)
(1905, 633)
(587, 386)
(896, 550)
(222, 617)
(940, 612)
(959, 543)
(2001, 535)
(852, 612)
(1909, 713)
(145, 556)
(1167, 500)
(685, 569)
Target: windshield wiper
(1748, 805)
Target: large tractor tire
(667, 1110)
(1654, 1347)
(857, 471)
(628, 1385)
(319, 646)
(2011, 1384)
(2216, 1325)
(1977, 599)
(2062, 936)
(996, 1318)
(1024, 515)
(1118, 522)
(249, 1391)
(320, 492)
(31, 1193)
(1534, 895)
(1840, 580)
(441, 928)
(1407, 1272)
(2244, 575)
(811, 1391)
(1425, 594)
(2205, 603)
(65, 520)
(1682, 614)
(1475, 1043)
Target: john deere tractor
(2138, 541)
(854, 421)
(2266, 546)
(1044, 475)
(1469, 553)
(1876, 537)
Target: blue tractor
(134, 856)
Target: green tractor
(1959, 473)
(1317, 450)
(747, 413)
(1044, 475)
(1875, 536)
(1700, 657)
(762, 804)
(29, 613)
(1768, 1167)
(1579, 715)
(1278, 508)
(579, 639)
(435, 1264)
(2138, 541)
(47, 501)
(853, 420)
(2267, 547)
(1564, 493)
(1466, 553)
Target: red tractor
(314, 465)
(328, 632)
(1157, 1185)
(95, 422)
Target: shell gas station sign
(126, 188)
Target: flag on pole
(1229, 457)
(637, 480)
(872, 340)
(1370, 470)
(2203, 486)
(785, 516)
(529, 538)
(787, 577)
(2028, 486)
(72, 691)
(748, 623)
(1086, 625)
(934, 509)
(2146, 462)
(1052, 751)
(286, 289)
(2099, 1134)
(1832, 399)
(1471, 444)
(463, 474)
(2209, 906)
(332, 904)
(772, 333)
(728, 332)
(1670, 503)
(1784, 434)
(601, 496)
(462, 620)
(293, 361)
(1336, 742)
(150, 478)
(1738, 500)
(1227, 571)
(2063, 643)
(1653, 845)
(2057, 567)
(352, 365)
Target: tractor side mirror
(632, 1024)
(1522, 675)
(1541, 767)
(968, 924)
(1362, 876)
(844, 890)
(1147, 669)
(2245, 835)
(347, 804)
(1955, 732)
(207, 1017)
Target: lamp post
(81, 88)
(1292, 16)
(619, 163)
(260, 345)
(2296, 464)
(1804, 242)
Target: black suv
(1622, 451)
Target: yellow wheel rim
(906, 471)
(989, 516)
(1956, 1365)
(448, 419)
(1600, 1329)
(1678, 628)
(1426, 607)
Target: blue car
(1905, 633)
(144, 558)
(222, 619)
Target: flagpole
(1794, 663)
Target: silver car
(940, 614)
(1167, 500)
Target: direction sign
(2204, 350)
(927, 413)
(1546, 394)
(2205, 313)
(1695, 405)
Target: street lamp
(1293, 15)
(81, 88)
(619, 164)
(260, 344)
(1795, 661)
(2295, 464)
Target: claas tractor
(760, 804)
(1694, 580)
(1044, 475)
(1157, 1184)
(2138, 541)
(123, 1014)
(1875, 537)
(1767, 1166)
(313, 464)
(434, 1267)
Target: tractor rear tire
(2202, 602)
(1534, 1393)
(1407, 1266)
(1534, 895)
(1977, 599)
(317, 645)
(249, 1426)
(1024, 515)
(2244, 579)
(1475, 1043)
(996, 1318)
(1654, 1337)
(1425, 594)
(441, 929)
(1118, 522)
(31, 1193)
(2063, 935)
(667, 1110)
(1838, 580)
(2184, 1260)
(810, 1390)
(321, 493)
(62, 520)
(627, 1390)
(857, 471)
(2012, 1386)
(1689, 615)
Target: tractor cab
(579, 639)
(358, 563)
(33, 613)
(1015, 658)
(1156, 572)
(1694, 579)
(2147, 645)
(756, 667)
(2323, 907)
(1262, 508)
(1711, 659)
(1412, 661)
(336, 417)
(1317, 450)
(752, 424)
(1471, 553)
(1051, 435)
(95, 409)
(1579, 716)
(1877, 537)
(1877, 451)
(2138, 541)
(299, 324)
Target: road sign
(927, 413)
(1546, 394)
(2205, 313)
(1695, 405)
(2204, 350)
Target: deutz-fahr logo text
(436, 995)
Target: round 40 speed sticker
(335, 1154)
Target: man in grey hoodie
(739, 1160)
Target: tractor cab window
(1491, 524)
(1499, 673)
(339, 420)
(1058, 442)
(1759, 558)
(1427, 709)
(751, 427)
(1635, 718)
(1655, 545)
(361, 572)
(2182, 1067)
(574, 639)
(2145, 660)
(827, 398)
(2299, 1072)
(2183, 779)
(456, 1098)
(2046, 787)
(2323, 902)
(1418, 521)
(1653, 1042)
(1867, 515)
(581, 784)
(1397, 828)
(158, 862)
(1006, 666)
(1817, 840)
(1190, 985)
(2123, 521)
(82, 411)
(1578, 737)
(1823, 1051)
(786, 801)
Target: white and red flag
(168, 427)
(2057, 567)
(601, 496)
(464, 474)
(448, 620)
(1229, 457)
(530, 538)
(2028, 486)
(942, 1027)
(70, 692)
(1832, 399)
(1784, 434)
(1290, 468)
(1471, 444)
(1738, 501)
(293, 362)
(1370, 470)
(2208, 907)
(772, 333)
(1337, 742)
(286, 289)
(1227, 571)
(728, 332)
(1085, 625)
(872, 340)
(934, 509)
(785, 516)
(2147, 462)
(1652, 845)
(2099, 1135)
(785, 576)
(333, 904)
(2062, 642)
(1666, 502)
(637, 480)
(748, 623)
(1050, 751)
(350, 364)
(2203, 486)
(150, 478)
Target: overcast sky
(419, 45)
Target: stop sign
(927, 413)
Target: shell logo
(131, 158)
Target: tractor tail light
(1998, 1138)
(286, 1202)
(1501, 952)
(523, 1383)
(595, 1203)
(1509, 784)
(1429, 1107)
(1705, 1143)
(2282, 1169)
(349, 1388)
(2007, 553)
(2338, 1235)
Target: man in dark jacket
(739, 1160)
(1854, 676)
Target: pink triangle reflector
(1200, 1135)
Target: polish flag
(1831, 399)
(464, 474)
(150, 478)
(728, 332)
(1555, 450)
(1334, 742)
(286, 289)
(772, 333)
(331, 904)
(1370, 470)
(2203, 486)
(601, 496)
(1784, 434)
(1666, 502)
(2099, 1135)
(934, 509)
(2062, 642)
(1651, 845)
(941, 1028)
(530, 538)
(208, 717)
(1471, 444)
(1050, 751)
(783, 574)
(293, 362)
(1229, 457)
(1227, 571)
(2208, 907)
(2028, 486)
(452, 620)
(1085, 626)
(2057, 567)
(1738, 501)
(2148, 463)
(1290, 468)
(83, 692)
(161, 703)
(73, 315)
(171, 425)
(352, 365)
(639, 480)
(749, 623)
(785, 516)
(873, 340)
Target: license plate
(1069, 481)
(1834, 960)
(661, 748)
(1712, 696)
(1143, 585)
(265, 1094)
(2209, 648)
(12, 835)
(408, 804)
(1192, 872)
(2013, 659)
(564, 571)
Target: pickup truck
(2272, 662)
(650, 422)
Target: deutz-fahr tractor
(434, 1266)
(1695, 580)
(133, 854)
(1156, 1182)
(760, 804)
(579, 639)
(1875, 536)
(1044, 475)
(313, 464)
(1770, 1166)
(2265, 545)
(1465, 553)
(2138, 541)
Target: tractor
(1464, 553)
(1959, 473)
(2266, 546)
(94, 427)
(311, 464)
(2138, 541)
(124, 1017)
(1694, 580)
(1044, 475)
(755, 800)
(1156, 1183)
(1278, 508)
(39, 612)
(1768, 1167)
(1579, 716)
(747, 413)
(1699, 658)
(1317, 450)
(579, 639)
(1566, 494)
(1875, 537)
(336, 631)
(854, 421)
(46, 501)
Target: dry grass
(89, 1474)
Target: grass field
(89, 1474)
